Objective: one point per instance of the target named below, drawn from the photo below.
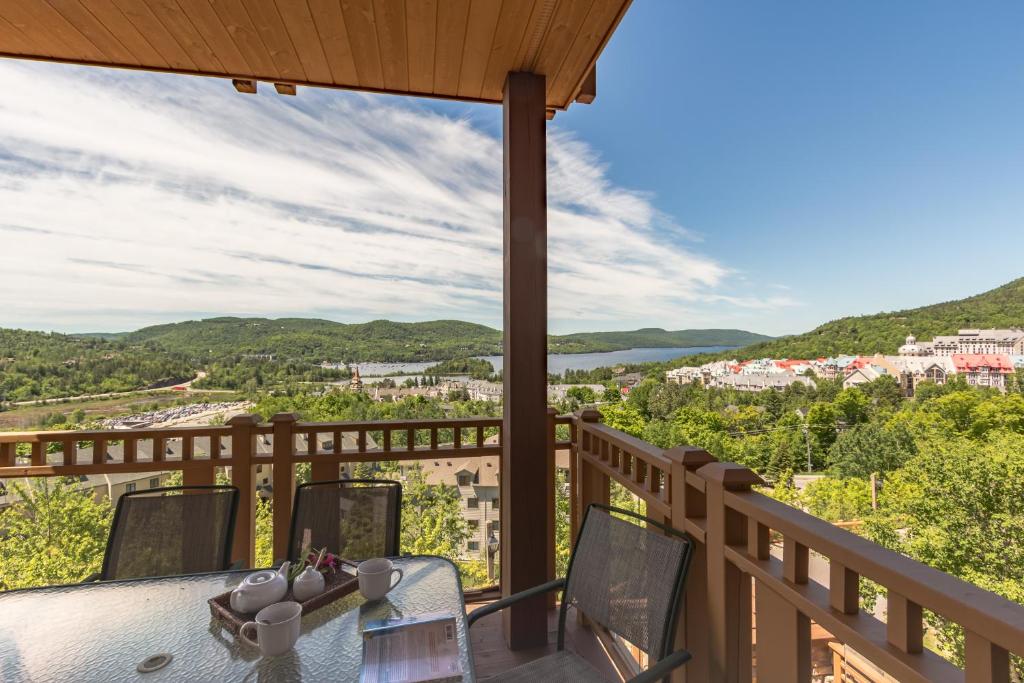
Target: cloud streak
(131, 199)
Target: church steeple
(356, 384)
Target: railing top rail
(646, 451)
(976, 609)
(113, 434)
(372, 425)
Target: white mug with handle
(375, 577)
(277, 628)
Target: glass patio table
(102, 631)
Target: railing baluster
(433, 438)
(843, 588)
(99, 451)
(904, 627)
(38, 453)
(361, 441)
(410, 439)
(216, 447)
(70, 448)
(795, 561)
(985, 662)
(7, 451)
(758, 540)
(159, 446)
(457, 437)
(480, 439)
(387, 440)
(337, 443)
(129, 449)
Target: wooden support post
(322, 471)
(549, 503)
(243, 446)
(583, 417)
(904, 627)
(525, 478)
(691, 625)
(284, 480)
(728, 595)
(783, 638)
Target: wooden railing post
(551, 493)
(284, 480)
(584, 416)
(728, 594)
(692, 623)
(243, 446)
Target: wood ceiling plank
(215, 35)
(147, 23)
(362, 34)
(330, 24)
(274, 35)
(186, 35)
(421, 35)
(588, 42)
(540, 19)
(480, 28)
(513, 29)
(44, 26)
(247, 39)
(107, 13)
(452, 18)
(305, 38)
(389, 17)
(91, 27)
(12, 40)
(569, 15)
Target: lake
(557, 362)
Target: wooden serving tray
(336, 585)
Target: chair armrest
(663, 667)
(505, 602)
(95, 576)
(237, 564)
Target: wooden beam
(244, 86)
(588, 91)
(526, 475)
(285, 88)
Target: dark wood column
(526, 475)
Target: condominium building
(984, 370)
(968, 341)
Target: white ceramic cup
(375, 577)
(277, 628)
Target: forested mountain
(884, 332)
(322, 340)
(43, 365)
(653, 338)
(382, 340)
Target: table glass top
(102, 631)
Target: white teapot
(260, 589)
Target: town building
(777, 382)
(968, 341)
(984, 370)
(683, 375)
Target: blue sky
(747, 165)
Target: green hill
(652, 338)
(44, 365)
(1002, 307)
(322, 340)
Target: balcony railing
(738, 532)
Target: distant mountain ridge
(384, 340)
(1002, 307)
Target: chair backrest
(171, 530)
(628, 577)
(354, 518)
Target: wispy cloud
(129, 199)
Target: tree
(432, 522)
(821, 421)
(837, 500)
(958, 506)
(852, 404)
(53, 533)
(871, 448)
(624, 417)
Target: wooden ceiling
(459, 49)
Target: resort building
(984, 370)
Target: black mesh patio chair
(353, 518)
(625, 577)
(171, 530)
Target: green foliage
(52, 534)
(477, 368)
(39, 365)
(837, 500)
(871, 448)
(432, 522)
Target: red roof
(966, 362)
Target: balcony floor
(491, 655)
